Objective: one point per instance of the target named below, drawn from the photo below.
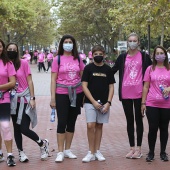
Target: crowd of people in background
(40, 57)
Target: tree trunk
(162, 36)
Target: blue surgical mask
(68, 47)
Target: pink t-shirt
(35, 53)
(82, 56)
(159, 76)
(132, 79)
(49, 56)
(90, 55)
(27, 57)
(21, 76)
(5, 72)
(41, 57)
(69, 73)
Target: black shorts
(63, 103)
(5, 112)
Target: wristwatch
(109, 103)
(32, 98)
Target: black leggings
(49, 64)
(66, 114)
(40, 66)
(23, 128)
(157, 118)
(133, 107)
(35, 59)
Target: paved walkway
(114, 144)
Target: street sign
(122, 45)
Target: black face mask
(98, 58)
(12, 54)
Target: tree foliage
(27, 18)
(106, 21)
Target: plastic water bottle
(101, 109)
(164, 95)
(52, 115)
(14, 90)
(16, 85)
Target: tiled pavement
(114, 144)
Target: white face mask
(68, 47)
(133, 45)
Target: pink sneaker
(137, 154)
(129, 155)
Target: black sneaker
(150, 157)
(1, 157)
(164, 156)
(10, 160)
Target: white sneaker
(99, 156)
(89, 157)
(44, 150)
(2, 157)
(60, 157)
(69, 154)
(23, 157)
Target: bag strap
(79, 59)
(58, 61)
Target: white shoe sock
(9, 154)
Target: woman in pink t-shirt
(25, 90)
(49, 60)
(156, 101)
(41, 59)
(7, 81)
(27, 56)
(132, 66)
(90, 57)
(83, 57)
(67, 96)
(35, 56)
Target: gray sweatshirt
(31, 112)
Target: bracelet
(143, 103)
(109, 103)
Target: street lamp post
(149, 31)
(8, 36)
(149, 38)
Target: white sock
(67, 150)
(0, 152)
(9, 154)
(39, 140)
